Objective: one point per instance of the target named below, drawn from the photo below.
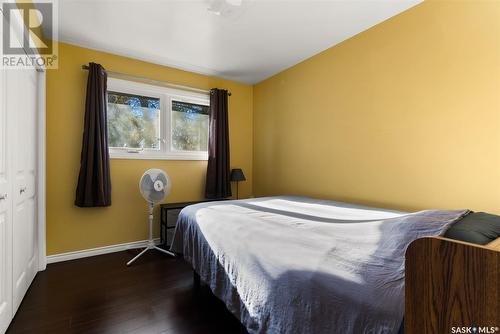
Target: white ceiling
(241, 40)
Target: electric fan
(154, 186)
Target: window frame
(166, 95)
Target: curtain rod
(154, 82)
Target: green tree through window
(189, 126)
(133, 121)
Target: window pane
(133, 121)
(189, 126)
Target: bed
(299, 265)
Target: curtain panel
(218, 183)
(94, 181)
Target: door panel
(18, 159)
(5, 272)
(5, 210)
(22, 101)
(19, 227)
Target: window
(133, 121)
(189, 126)
(152, 122)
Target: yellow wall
(70, 228)
(404, 115)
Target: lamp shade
(237, 175)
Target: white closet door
(5, 213)
(5, 208)
(22, 103)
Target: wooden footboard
(451, 286)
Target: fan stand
(151, 243)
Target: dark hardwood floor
(101, 295)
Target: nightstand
(168, 219)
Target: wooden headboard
(451, 284)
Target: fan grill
(155, 185)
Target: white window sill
(159, 156)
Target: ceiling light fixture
(223, 7)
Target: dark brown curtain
(94, 183)
(218, 184)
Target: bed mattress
(300, 265)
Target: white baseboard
(97, 251)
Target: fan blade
(147, 183)
(161, 177)
(156, 196)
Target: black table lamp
(237, 176)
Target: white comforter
(298, 265)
